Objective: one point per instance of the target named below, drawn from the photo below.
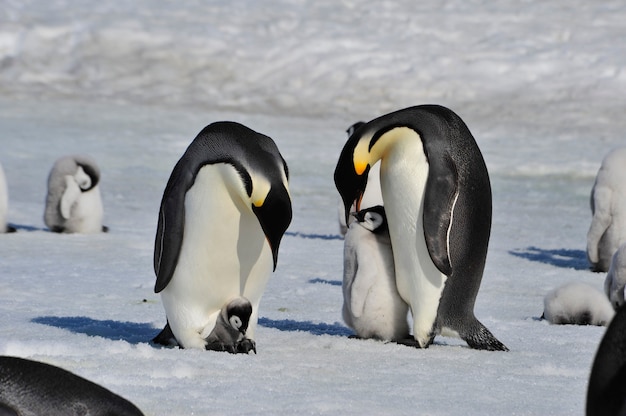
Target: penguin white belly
(223, 255)
(404, 172)
(86, 213)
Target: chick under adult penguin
(224, 211)
(437, 198)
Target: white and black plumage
(371, 303)
(73, 202)
(34, 388)
(608, 207)
(577, 303)
(224, 211)
(615, 280)
(437, 197)
(606, 392)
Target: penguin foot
(246, 345)
(482, 339)
(105, 229)
(221, 346)
(412, 342)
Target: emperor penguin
(224, 211)
(437, 198)
(30, 387)
(608, 208)
(371, 196)
(371, 303)
(577, 303)
(4, 204)
(606, 392)
(73, 202)
(615, 280)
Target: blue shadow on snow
(335, 329)
(316, 236)
(131, 332)
(326, 282)
(563, 257)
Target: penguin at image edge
(437, 197)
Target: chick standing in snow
(616, 278)
(372, 305)
(608, 206)
(577, 303)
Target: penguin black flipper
(439, 199)
(606, 393)
(171, 225)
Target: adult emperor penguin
(437, 197)
(73, 202)
(224, 211)
(371, 303)
(34, 388)
(606, 393)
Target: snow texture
(540, 85)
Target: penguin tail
(480, 338)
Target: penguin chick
(73, 202)
(608, 207)
(230, 329)
(577, 303)
(372, 305)
(616, 278)
(33, 388)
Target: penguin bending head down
(224, 211)
(73, 202)
(371, 303)
(33, 388)
(437, 198)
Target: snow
(539, 84)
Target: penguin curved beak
(274, 215)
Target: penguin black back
(606, 393)
(31, 387)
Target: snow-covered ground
(540, 84)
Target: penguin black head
(238, 314)
(274, 215)
(93, 175)
(373, 219)
(350, 180)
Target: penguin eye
(235, 322)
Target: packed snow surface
(540, 85)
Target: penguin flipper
(439, 200)
(69, 197)
(170, 228)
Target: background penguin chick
(372, 305)
(230, 328)
(616, 278)
(608, 206)
(73, 202)
(577, 303)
